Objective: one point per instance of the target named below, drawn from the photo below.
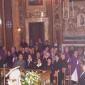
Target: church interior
(47, 36)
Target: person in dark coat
(82, 76)
(9, 59)
(29, 63)
(56, 68)
(25, 53)
(23, 44)
(60, 66)
(2, 56)
(14, 54)
(39, 64)
(62, 69)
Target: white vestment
(74, 76)
(14, 77)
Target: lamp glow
(19, 29)
(0, 21)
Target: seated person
(19, 62)
(29, 63)
(48, 65)
(39, 64)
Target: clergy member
(75, 68)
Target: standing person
(67, 55)
(53, 54)
(56, 68)
(40, 45)
(23, 44)
(8, 60)
(26, 53)
(82, 76)
(14, 54)
(75, 68)
(37, 56)
(2, 56)
(62, 69)
(45, 58)
(49, 65)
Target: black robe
(30, 65)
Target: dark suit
(82, 79)
(30, 65)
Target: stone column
(0, 22)
(15, 16)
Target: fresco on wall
(81, 20)
(76, 19)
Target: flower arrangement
(31, 78)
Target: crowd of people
(44, 56)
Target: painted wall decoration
(75, 23)
(66, 9)
(81, 20)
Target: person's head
(13, 49)
(76, 53)
(38, 55)
(38, 60)
(49, 60)
(9, 53)
(62, 56)
(46, 55)
(29, 57)
(20, 57)
(55, 50)
(66, 49)
(57, 58)
(26, 49)
(4, 48)
(47, 48)
(52, 49)
(39, 40)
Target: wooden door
(36, 31)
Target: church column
(7, 17)
(15, 16)
(49, 10)
(57, 22)
(0, 22)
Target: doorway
(36, 31)
(36, 28)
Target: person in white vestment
(14, 77)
